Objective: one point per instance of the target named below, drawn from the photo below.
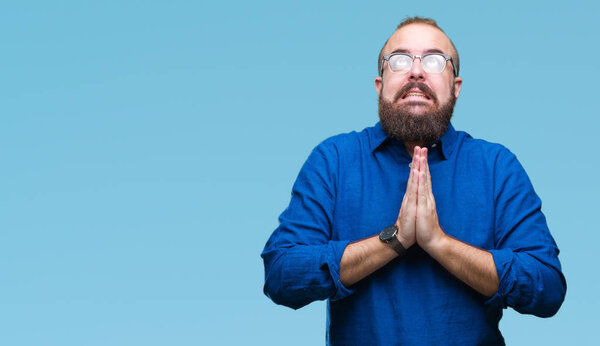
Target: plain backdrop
(148, 147)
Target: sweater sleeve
(525, 254)
(301, 261)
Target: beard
(404, 124)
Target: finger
(417, 151)
(414, 166)
(411, 184)
(423, 166)
(428, 182)
(417, 156)
(412, 188)
(427, 172)
(422, 191)
(408, 189)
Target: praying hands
(418, 220)
(418, 223)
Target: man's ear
(457, 86)
(378, 85)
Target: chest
(370, 193)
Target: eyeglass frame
(413, 57)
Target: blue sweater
(351, 187)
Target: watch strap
(397, 246)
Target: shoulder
(494, 153)
(331, 156)
(501, 163)
(347, 144)
(469, 143)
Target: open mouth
(415, 93)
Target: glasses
(431, 62)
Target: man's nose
(416, 70)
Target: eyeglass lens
(431, 63)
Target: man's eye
(400, 64)
(433, 61)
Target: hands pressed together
(418, 219)
(418, 223)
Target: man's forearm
(363, 257)
(470, 264)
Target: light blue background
(147, 149)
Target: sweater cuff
(503, 259)
(333, 261)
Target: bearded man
(415, 233)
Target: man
(469, 238)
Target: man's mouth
(415, 93)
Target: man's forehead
(418, 38)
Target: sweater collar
(447, 142)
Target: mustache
(418, 85)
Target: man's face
(416, 101)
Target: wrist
(405, 242)
(389, 235)
(436, 245)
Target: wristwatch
(388, 236)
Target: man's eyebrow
(431, 50)
(434, 50)
(399, 50)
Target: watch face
(388, 233)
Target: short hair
(421, 20)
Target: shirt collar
(448, 140)
(377, 137)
